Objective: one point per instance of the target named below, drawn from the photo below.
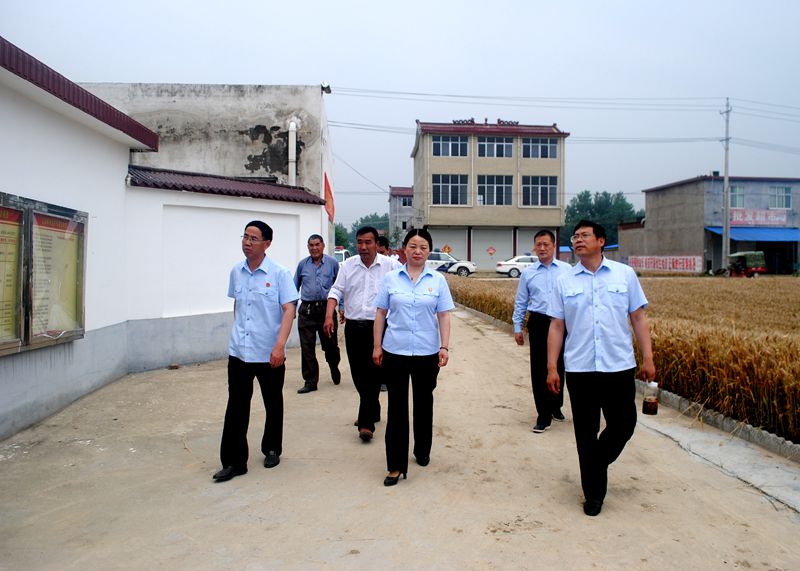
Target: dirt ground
(122, 480)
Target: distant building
(401, 209)
(483, 190)
(682, 229)
(273, 133)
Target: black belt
(361, 322)
(315, 301)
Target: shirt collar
(579, 267)
(263, 266)
(425, 270)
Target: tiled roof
(27, 67)
(499, 128)
(212, 184)
(401, 191)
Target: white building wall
(47, 157)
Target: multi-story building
(682, 230)
(484, 190)
(401, 209)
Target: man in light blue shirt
(595, 301)
(264, 308)
(533, 295)
(313, 278)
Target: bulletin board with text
(42, 273)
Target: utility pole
(726, 190)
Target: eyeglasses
(251, 239)
(584, 236)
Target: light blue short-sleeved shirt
(535, 288)
(259, 297)
(413, 327)
(595, 308)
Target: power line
(355, 170)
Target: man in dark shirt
(314, 277)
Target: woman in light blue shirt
(414, 344)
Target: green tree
(604, 208)
(378, 221)
(342, 237)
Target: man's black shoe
(538, 428)
(228, 473)
(424, 460)
(272, 459)
(336, 376)
(592, 507)
(306, 388)
(559, 416)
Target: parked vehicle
(341, 254)
(513, 267)
(748, 264)
(446, 263)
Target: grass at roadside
(732, 345)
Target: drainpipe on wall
(293, 153)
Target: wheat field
(729, 344)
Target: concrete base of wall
(36, 384)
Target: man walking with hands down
(314, 277)
(594, 301)
(263, 312)
(533, 295)
(357, 284)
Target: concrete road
(122, 480)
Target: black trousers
(310, 321)
(546, 402)
(358, 342)
(613, 394)
(423, 371)
(234, 450)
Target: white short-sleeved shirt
(595, 308)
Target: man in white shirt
(357, 284)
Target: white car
(515, 265)
(341, 255)
(447, 263)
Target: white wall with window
(500, 147)
(450, 189)
(449, 146)
(780, 197)
(539, 191)
(495, 190)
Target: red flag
(328, 198)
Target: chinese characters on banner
(752, 217)
(10, 224)
(57, 248)
(688, 264)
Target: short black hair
(266, 231)
(541, 233)
(367, 230)
(316, 237)
(383, 241)
(422, 233)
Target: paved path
(122, 480)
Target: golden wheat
(730, 344)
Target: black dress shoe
(306, 388)
(424, 461)
(592, 507)
(271, 460)
(392, 480)
(228, 473)
(336, 376)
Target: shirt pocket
(618, 295)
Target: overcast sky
(638, 84)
